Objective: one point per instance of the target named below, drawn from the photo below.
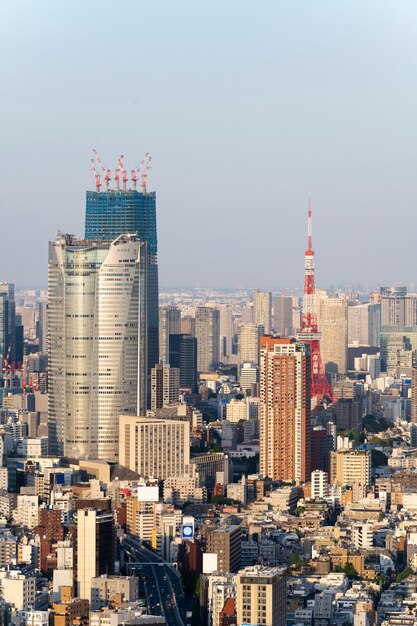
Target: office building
(283, 315)
(334, 333)
(226, 331)
(364, 324)
(285, 400)
(207, 331)
(262, 309)
(104, 589)
(262, 596)
(95, 548)
(7, 321)
(97, 334)
(248, 343)
(414, 394)
(169, 324)
(183, 355)
(226, 543)
(153, 447)
(249, 377)
(398, 308)
(115, 212)
(43, 327)
(165, 385)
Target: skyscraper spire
(320, 387)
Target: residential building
(207, 331)
(225, 541)
(334, 333)
(248, 343)
(349, 466)
(262, 309)
(165, 385)
(319, 485)
(262, 596)
(283, 313)
(285, 400)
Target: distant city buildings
(207, 332)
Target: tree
(378, 458)
(350, 571)
(404, 574)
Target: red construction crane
(118, 171)
(136, 172)
(96, 174)
(147, 167)
(105, 169)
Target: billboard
(187, 527)
(148, 494)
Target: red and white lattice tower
(320, 387)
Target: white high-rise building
(248, 343)
(97, 339)
(262, 309)
(319, 485)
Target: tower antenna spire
(320, 387)
(310, 228)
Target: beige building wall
(154, 447)
(334, 332)
(262, 309)
(351, 466)
(262, 596)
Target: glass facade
(97, 335)
(111, 213)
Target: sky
(248, 109)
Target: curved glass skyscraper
(97, 342)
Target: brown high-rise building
(226, 543)
(95, 543)
(285, 395)
(414, 394)
(262, 596)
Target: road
(161, 582)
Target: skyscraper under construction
(113, 212)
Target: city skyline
(308, 109)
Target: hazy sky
(248, 108)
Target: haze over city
(247, 109)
